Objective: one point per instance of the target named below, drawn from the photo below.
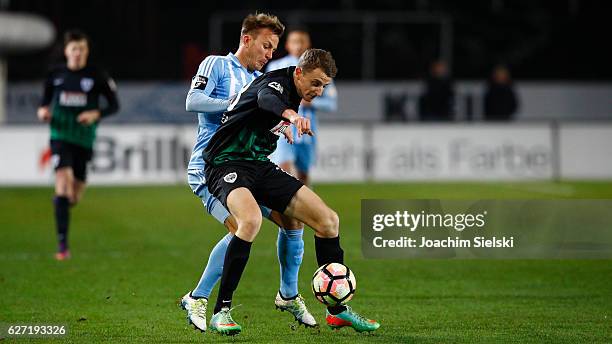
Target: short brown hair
(312, 59)
(75, 35)
(253, 22)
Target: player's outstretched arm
(202, 86)
(269, 99)
(199, 102)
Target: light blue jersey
(218, 79)
(303, 152)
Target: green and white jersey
(253, 121)
(69, 93)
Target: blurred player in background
(299, 157)
(218, 79)
(71, 104)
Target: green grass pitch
(137, 250)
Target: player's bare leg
(196, 306)
(64, 182)
(78, 189)
(309, 208)
(243, 206)
(231, 224)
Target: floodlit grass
(137, 250)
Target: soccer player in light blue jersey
(218, 79)
(299, 157)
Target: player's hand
(303, 126)
(288, 135)
(88, 117)
(301, 123)
(44, 114)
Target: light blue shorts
(302, 155)
(213, 206)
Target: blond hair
(254, 22)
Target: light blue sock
(214, 268)
(290, 252)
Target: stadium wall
(159, 102)
(158, 154)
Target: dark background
(143, 40)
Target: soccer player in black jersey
(71, 104)
(240, 175)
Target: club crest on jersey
(275, 85)
(230, 177)
(280, 128)
(199, 82)
(87, 84)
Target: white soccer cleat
(297, 308)
(196, 311)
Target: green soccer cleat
(352, 319)
(223, 323)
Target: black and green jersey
(71, 92)
(253, 121)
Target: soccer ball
(333, 284)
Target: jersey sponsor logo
(67, 98)
(198, 82)
(230, 177)
(280, 128)
(58, 81)
(275, 85)
(87, 84)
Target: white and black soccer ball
(333, 284)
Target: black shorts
(270, 185)
(66, 154)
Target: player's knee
(248, 228)
(329, 224)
